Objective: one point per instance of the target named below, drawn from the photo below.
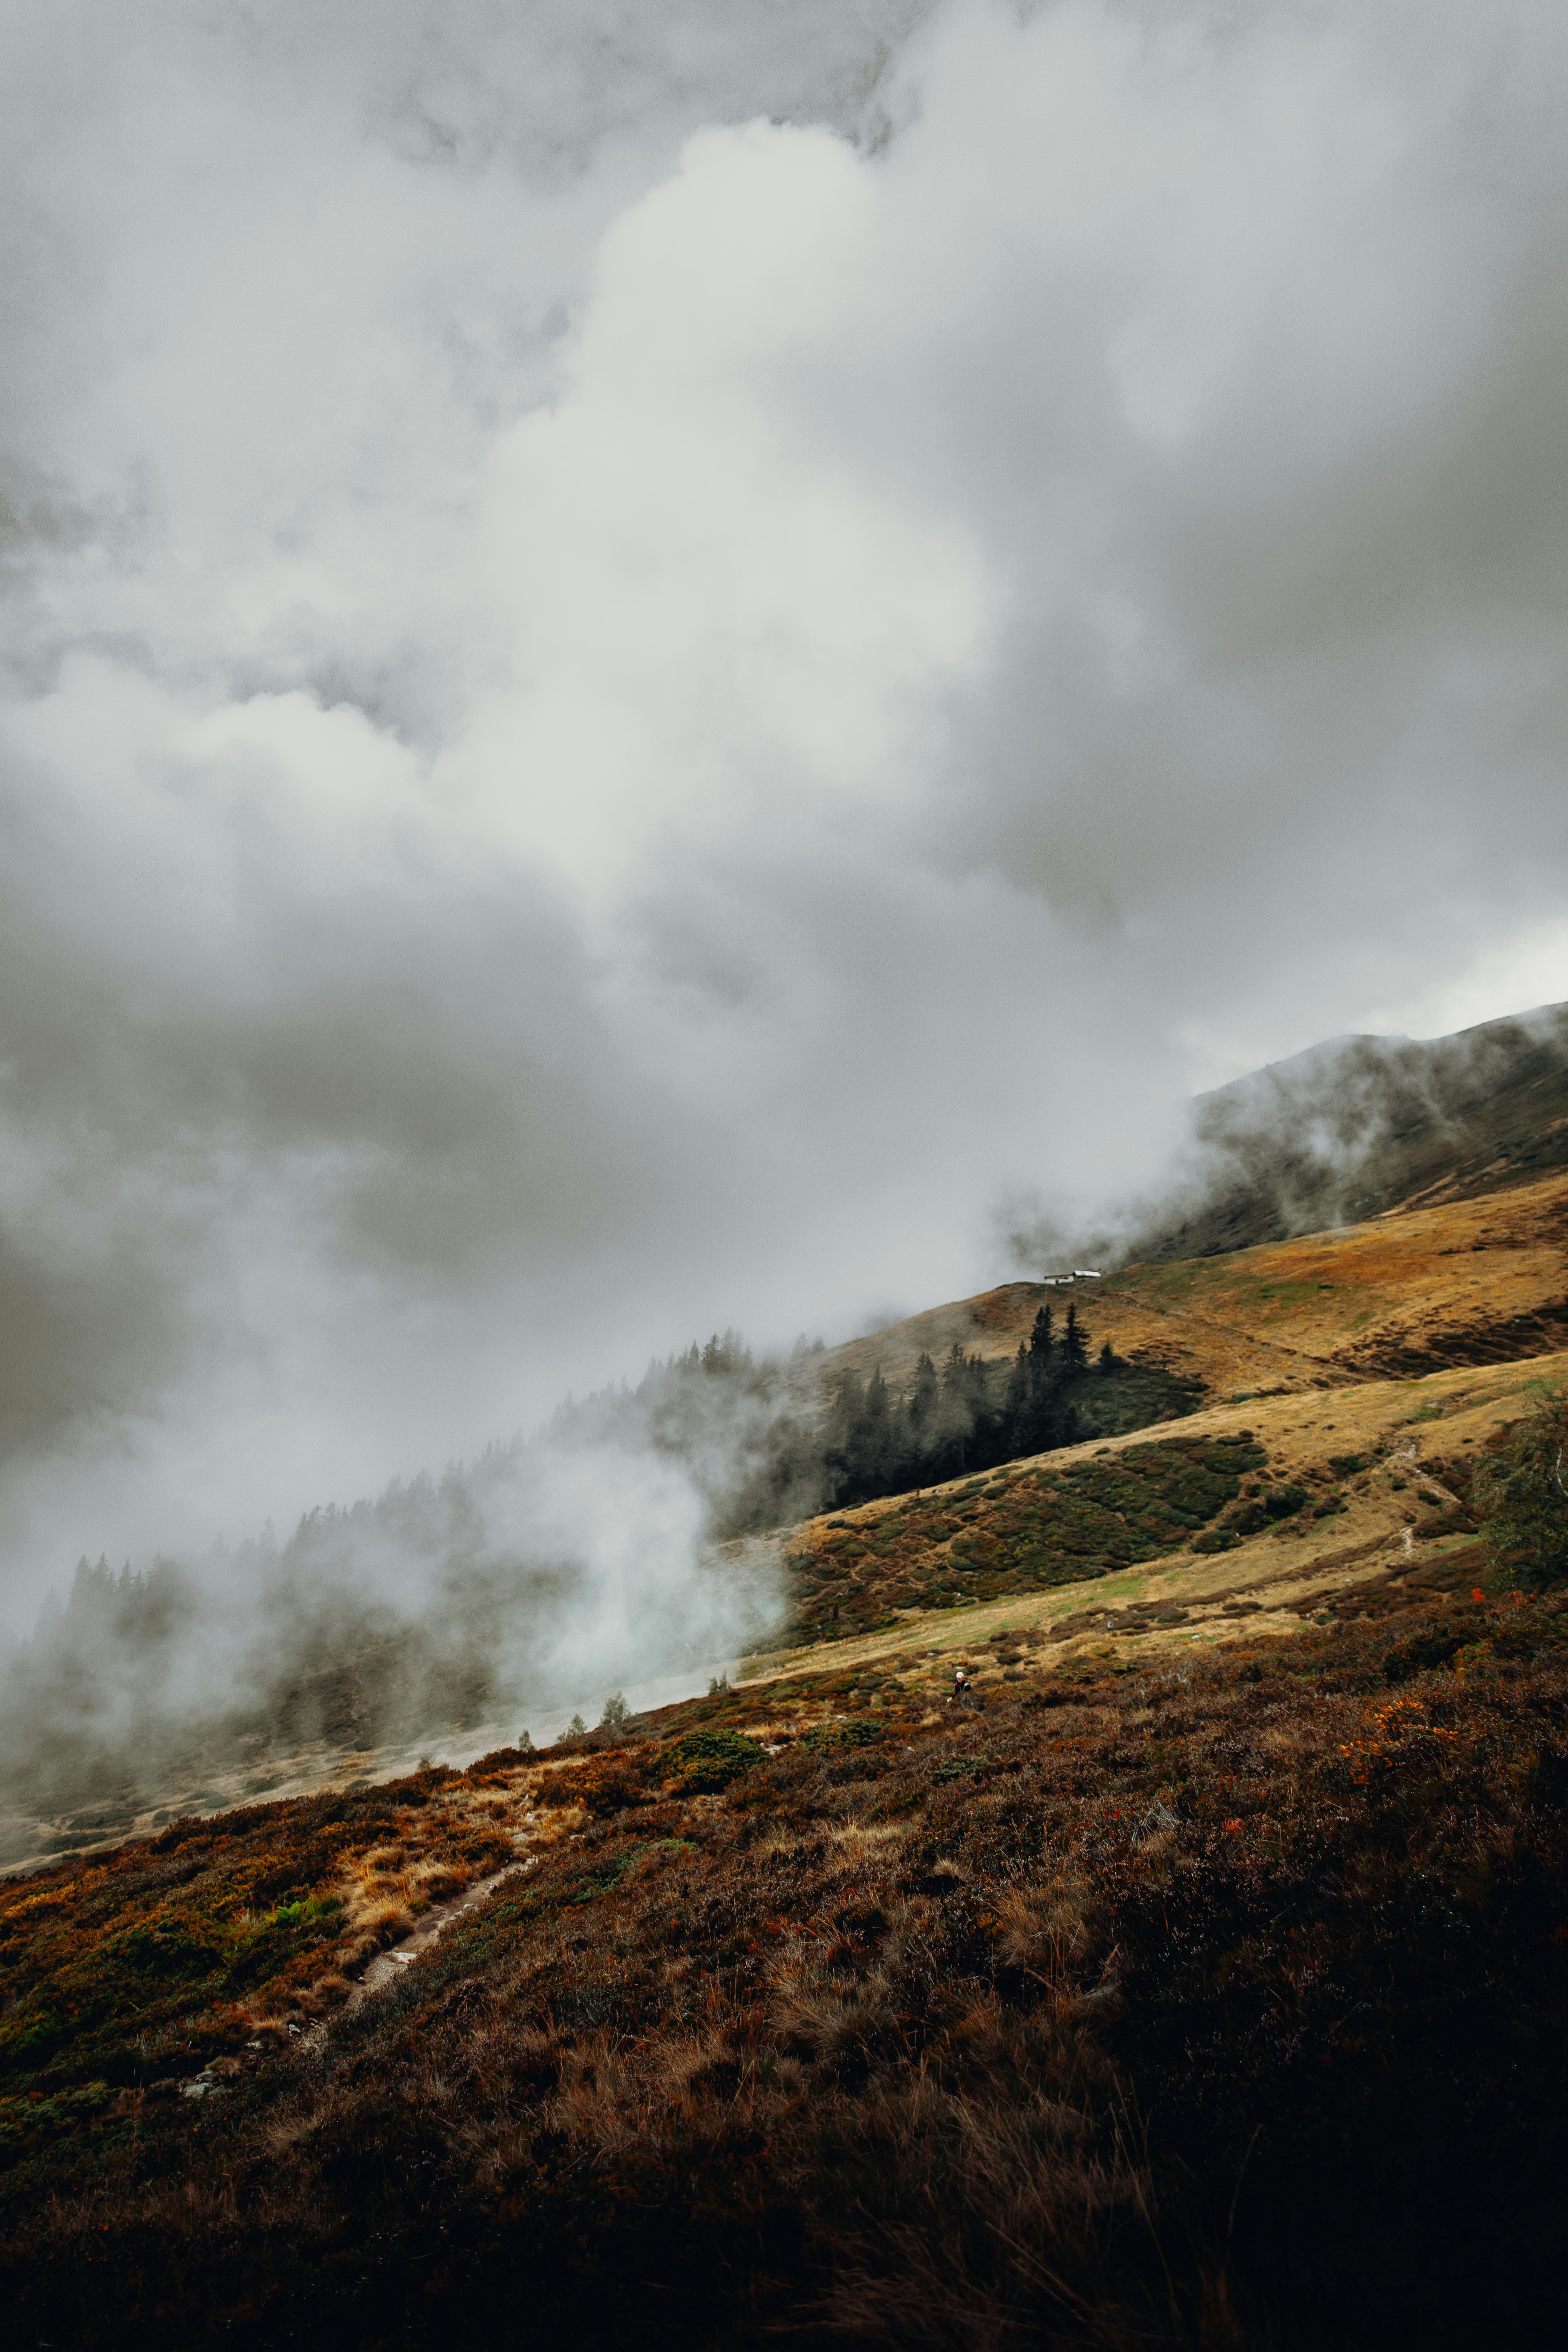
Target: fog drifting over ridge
(652, 656)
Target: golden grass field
(1458, 1281)
(1293, 1336)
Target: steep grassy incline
(1360, 1126)
(1278, 1508)
(1022, 1529)
(1475, 1282)
(1215, 2003)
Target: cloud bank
(650, 655)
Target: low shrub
(855, 1732)
(710, 1760)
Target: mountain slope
(1477, 1280)
(1361, 1124)
(1311, 1343)
(1302, 1343)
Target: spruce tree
(841, 1434)
(987, 1442)
(878, 1444)
(1015, 1405)
(947, 1447)
(925, 1398)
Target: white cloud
(649, 660)
(712, 613)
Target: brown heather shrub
(436, 1882)
(328, 1992)
(1221, 2007)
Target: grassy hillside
(1364, 1363)
(1203, 1984)
(1360, 1126)
(1471, 1281)
(1291, 1499)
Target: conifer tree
(987, 1428)
(925, 1398)
(1015, 1405)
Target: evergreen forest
(771, 1444)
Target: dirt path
(388, 1966)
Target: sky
(657, 658)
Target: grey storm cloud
(651, 654)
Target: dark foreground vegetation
(1219, 2002)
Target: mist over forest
(610, 1549)
(588, 602)
(640, 1536)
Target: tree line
(966, 1414)
(771, 1442)
(854, 1438)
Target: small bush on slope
(1213, 2008)
(712, 1759)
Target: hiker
(962, 1690)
